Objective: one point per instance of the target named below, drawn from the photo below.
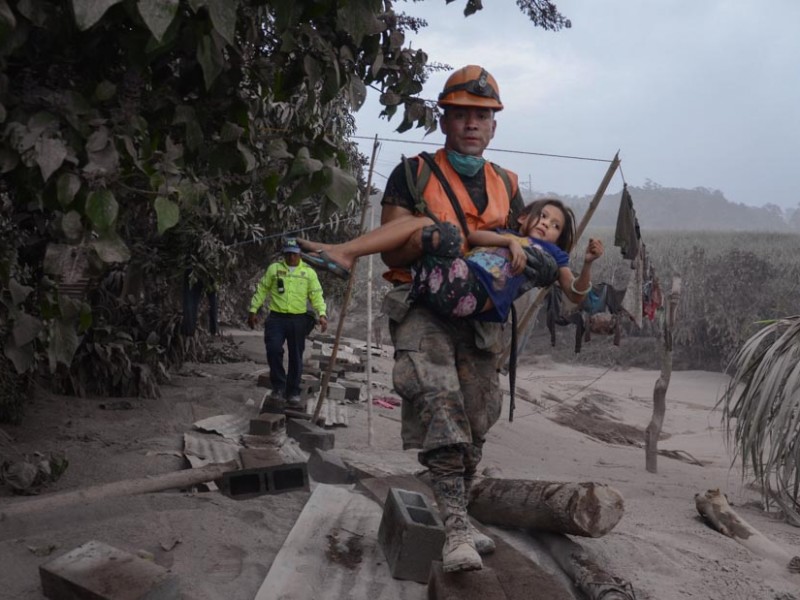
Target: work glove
(251, 320)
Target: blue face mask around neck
(465, 164)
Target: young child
(499, 267)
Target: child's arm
(576, 288)
(491, 238)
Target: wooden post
(653, 430)
(714, 508)
(584, 509)
(129, 487)
(588, 576)
(326, 378)
(369, 336)
(534, 308)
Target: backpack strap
(416, 184)
(451, 195)
(503, 174)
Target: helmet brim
(465, 99)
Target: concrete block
(263, 380)
(250, 483)
(411, 535)
(310, 436)
(324, 440)
(97, 571)
(328, 467)
(352, 391)
(336, 391)
(272, 405)
(267, 424)
(254, 458)
(467, 585)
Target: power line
(605, 160)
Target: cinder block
(250, 483)
(411, 535)
(272, 405)
(310, 436)
(352, 391)
(97, 571)
(336, 391)
(254, 458)
(327, 467)
(467, 585)
(323, 440)
(267, 423)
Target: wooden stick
(326, 378)
(714, 508)
(128, 487)
(653, 430)
(584, 509)
(534, 308)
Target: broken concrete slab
(325, 466)
(97, 571)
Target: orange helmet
(471, 86)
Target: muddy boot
(483, 543)
(458, 553)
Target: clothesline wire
(418, 143)
(526, 152)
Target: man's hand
(323, 324)
(251, 320)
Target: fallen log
(583, 509)
(714, 508)
(589, 577)
(129, 487)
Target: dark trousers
(192, 295)
(289, 329)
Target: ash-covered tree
(144, 138)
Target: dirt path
(222, 549)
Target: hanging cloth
(627, 233)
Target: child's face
(547, 226)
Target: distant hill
(677, 209)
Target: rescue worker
(290, 284)
(445, 367)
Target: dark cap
(290, 246)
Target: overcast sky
(692, 93)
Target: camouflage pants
(450, 390)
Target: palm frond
(761, 409)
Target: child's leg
(389, 236)
(449, 287)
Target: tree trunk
(714, 508)
(589, 577)
(584, 509)
(129, 487)
(653, 431)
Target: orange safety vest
(495, 215)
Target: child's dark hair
(534, 209)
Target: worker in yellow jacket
(290, 284)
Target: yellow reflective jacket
(300, 286)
